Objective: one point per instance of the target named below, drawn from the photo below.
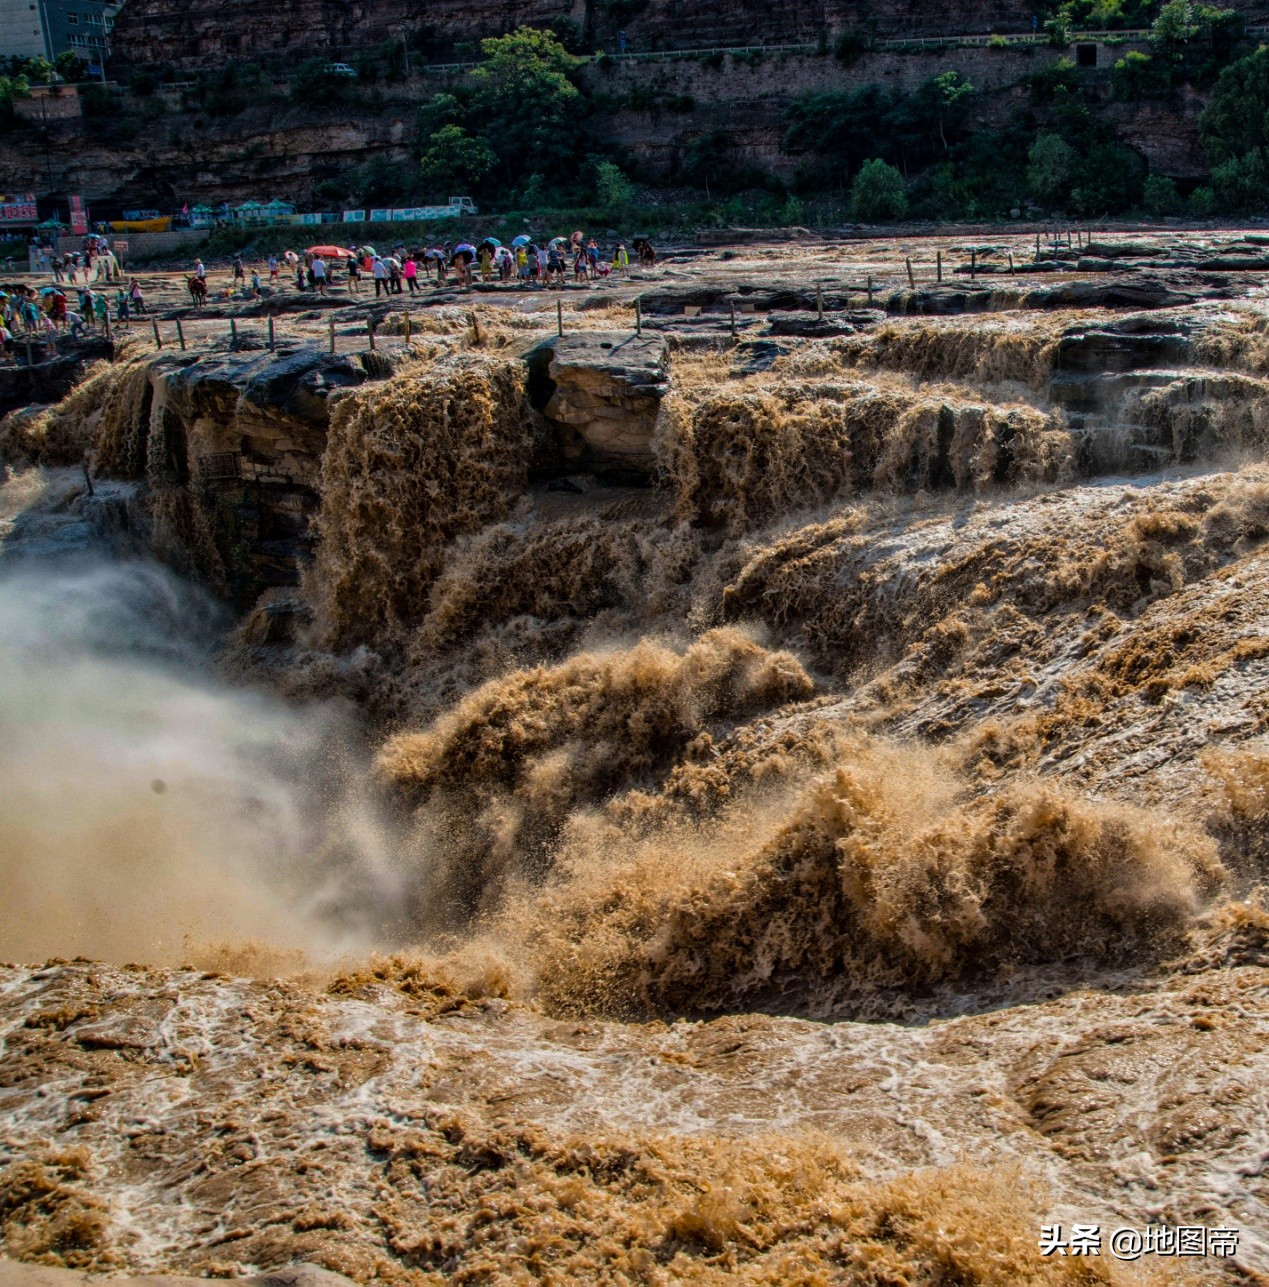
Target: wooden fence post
(407, 329)
(870, 290)
(233, 334)
(271, 332)
(180, 334)
(158, 339)
(332, 333)
(1011, 263)
(819, 301)
(940, 264)
(973, 264)
(370, 330)
(911, 279)
(733, 317)
(559, 317)
(638, 316)
(475, 326)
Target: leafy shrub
(1160, 196)
(454, 160)
(613, 190)
(1240, 183)
(877, 194)
(1050, 169)
(315, 85)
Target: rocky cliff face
(275, 149)
(201, 34)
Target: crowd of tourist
(72, 306)
(40, 316)
(524, 262)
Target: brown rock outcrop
(603, 391)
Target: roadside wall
(143, 244)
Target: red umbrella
(330, 252)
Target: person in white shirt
(319, 274)
(380, 271)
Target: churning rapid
(150, 811)
(588, 809)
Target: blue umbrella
(521, 240)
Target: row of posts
(1074, 237)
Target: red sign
(19, 212)
(79, 216)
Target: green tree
(39, 71)
(1136, 76)
(440, 109)
(455, 160)
(1160, 196)
(392, 54)
(612, 189)
(1236, 121)
(951, 93)
(234, 88)
(1110, 178)
(525, 98)
(11, 88)
(1240, 183)
(1051, 163)
(70, 66)
(315, 85)
(1173, 29)
(1058, 29)
(877, 194)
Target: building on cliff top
(46, 28)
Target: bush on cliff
(877, 194)
(455, 161)
(315, 85)
(1160, 196)
(1236, 122)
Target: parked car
(340, 69)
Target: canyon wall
(194, 36)
(152, 151)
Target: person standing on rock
(620, 260)
(273, 270)
(239, 275)
(410, 271)
(394, 275)
(379, 270)
(354, 275)
(138, 299)
(319, 274)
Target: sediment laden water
(854, 717)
